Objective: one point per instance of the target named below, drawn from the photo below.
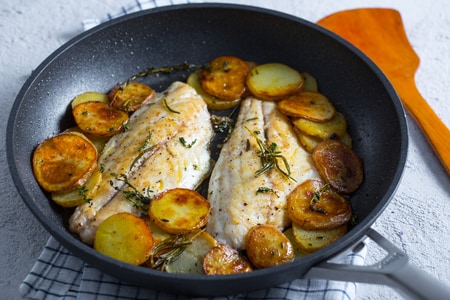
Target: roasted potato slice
(310, 142)
(64, 162)
(223, 259)
(89, 96)
(312, 106)
(81, 195)
(336, 127)
(225, 77)
(125, 237)
(99, 118)
(191, 260)
(289, 233)
(313, 240)
(309, 83)
(267, 247)
(98, 141)
(313, 205)
(212, 102)
(180, 210)
(273, 81)
(338, 165)
(130, 96)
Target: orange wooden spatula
(379, 33)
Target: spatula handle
(436, 132)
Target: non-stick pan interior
(114, 51)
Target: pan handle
(394, 270)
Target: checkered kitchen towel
(58, 274)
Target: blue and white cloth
(58, 274)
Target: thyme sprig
(83, 191)
(316, 198)
(166, 70)
(166, 105)
(270, 155)
(139, 200)
(169, 250)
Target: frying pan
(112, 52)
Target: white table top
(417, 219)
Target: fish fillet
(236, 206)
(166, 146)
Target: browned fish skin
(166, 162)
(236, 206)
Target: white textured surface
(417, 219)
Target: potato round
(338, 165)
(125, 237)
(337, 126)
(89, 96)
(267, 247)
(130, 96)
(191, 260)
(99, 118)
(81, 195)
(314, 206)
(212, 102)
(180, 210)
(313, 106)
(223, 259)
(225, 77)
(309, 82)
(64, 162)
(273, 81)
(313, 240)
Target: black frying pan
(112, 52)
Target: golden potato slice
(308, 142)
(224, 77)
(191, 260)
(313, 106)
(267, 247)
(289, 233)
(158, 234)
(125, 237)
(313, 240)
(99, 118)
(81, 195)
(337, 126)
(64, 162)
(309, 83)
(314, 205)
(98, 141)
(273, 81)
(180, 210)
(212, 102)
(130, 96)
(338, 165)
(89, 96)
(223, 259)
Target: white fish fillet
(235, 204)
(167, 163)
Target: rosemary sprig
(269, 157)
(185, 144)
(264, 189)
(168, 107)
(169, 250)
(139, 200)
(316, 198)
